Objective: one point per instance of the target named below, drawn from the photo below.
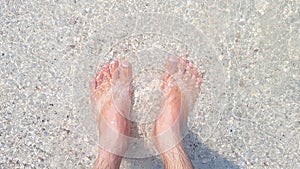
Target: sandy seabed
(247, 114)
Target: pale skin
(181, 85)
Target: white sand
(247, 115)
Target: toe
(125, 71)
(198, 81)
(189, 69)
(92, 85)
(183, 64)
(105, 73)
(93, 92)
(113, 65)
(99, 78)
(172, 65)
(168, 83)
(194, 72)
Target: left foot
(111, 101)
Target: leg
(111, 101)
(176, 158)
(107, 160)
(181, 87)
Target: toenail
(125, 64)
(105, 66)
(172, 58)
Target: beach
(247, 114)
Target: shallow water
(147, 44)
(247, 114)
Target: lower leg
(176, 158)
(107, 160)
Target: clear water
(50, 48)
(146, 41)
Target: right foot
(181, 87)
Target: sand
(247, 114)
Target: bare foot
(181, 88)
(111, 100)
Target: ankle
(176, 158)
(107, 160)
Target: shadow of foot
(203, 157)
(200, 154)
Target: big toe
(124, 72)
(172, 65)
(122, 88)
